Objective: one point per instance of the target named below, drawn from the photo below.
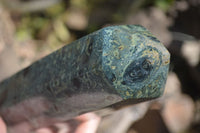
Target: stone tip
(134, 61)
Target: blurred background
(31, 29)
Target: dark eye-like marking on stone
(137, 71)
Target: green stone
(109, 67)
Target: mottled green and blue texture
(134, 61)
(109, 66)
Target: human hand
(2, 126)
(86, 123)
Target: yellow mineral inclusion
(115, 41)
(121, 47)
(113, 67)
(105, 54)
(127, 93)
(116, 54)
(166, 62)
(142, 45)
(139, 94)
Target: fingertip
(90, 123)
(87, 117)
(2, 126)
(44, 130)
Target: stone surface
(112, 65)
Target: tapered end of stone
(134, 61)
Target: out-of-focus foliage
(164, 4)
(48, 25)
(44, 24)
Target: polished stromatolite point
(134, 61)
(112, 66)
